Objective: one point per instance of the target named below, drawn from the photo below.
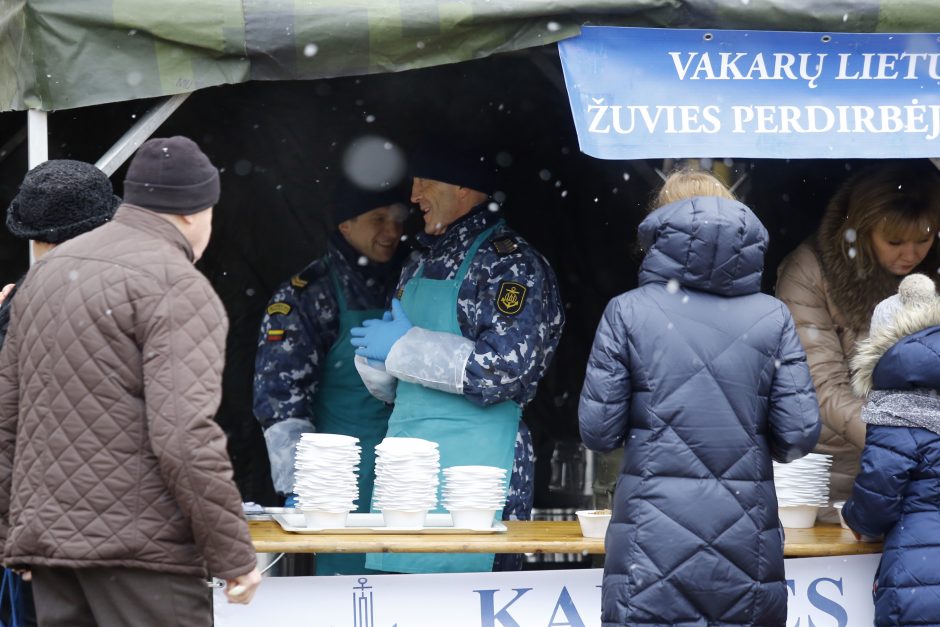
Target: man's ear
(344, 227)
(188, 218)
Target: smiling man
(305, 379)
(476, 322)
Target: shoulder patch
(297, 282)
(511, 297)
(279, 307)
(505, 245)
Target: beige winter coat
(832, 302)
(109, 380)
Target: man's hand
(375, 338)
(6, 291)
(25, 573)
(243, 588)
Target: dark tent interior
(281, 146)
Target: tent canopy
(61, 54)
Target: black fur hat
(60, 199)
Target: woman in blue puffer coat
(897, 492)
(702, 380)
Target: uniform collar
(464, 228)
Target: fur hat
(60, 199)
(171, 175)
(915, 290)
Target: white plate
(373, 523)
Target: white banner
(824, 592)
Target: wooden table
(521, 537)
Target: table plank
(520, 537)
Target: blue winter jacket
(703, 380)
(897, 492)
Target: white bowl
(473, 518)
(837, 505)
(594, 522)
(797, 516)
(325, 520)
(404, 518)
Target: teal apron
(345, 406)
(467, 433)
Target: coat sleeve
(800, 285)
(511, 351)
(604, 407)
(9, 418)
(297, 331)
(794, 412)
(889, 457)
(183, 348)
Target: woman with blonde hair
(880, 226)
(702, 380)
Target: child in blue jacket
(897, 492)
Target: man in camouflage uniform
(508, 319)
(305, 380)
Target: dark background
(280, 145)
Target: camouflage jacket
(300, 325)
(509, 305)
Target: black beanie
(458, 167)
(60, 199)
(351, 201)
(171, 175)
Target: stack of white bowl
(325, 474)
(406, 480)
(802, 488)
(474, 494)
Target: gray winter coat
(703, 380)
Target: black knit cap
(171, 175)
(464, 168)
(60, 199)
(351, 201)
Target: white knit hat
(914, 290)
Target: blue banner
(641, 93)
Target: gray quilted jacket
(109, 379)
(702, 380)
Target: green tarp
(59, 54)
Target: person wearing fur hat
(897, 492)
(116, 488)
(305, 379)
(58, 200)
(880, 226)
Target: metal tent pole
(139, 133)
(38, 137)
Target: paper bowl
(404, 518)
(837, 505)
(473, 518)
(594, 522)
(325, 520)
(797, 516)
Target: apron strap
(337, 287)
(468, 257)
(472, 251)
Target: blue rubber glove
(375, 338)
(291, 500)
